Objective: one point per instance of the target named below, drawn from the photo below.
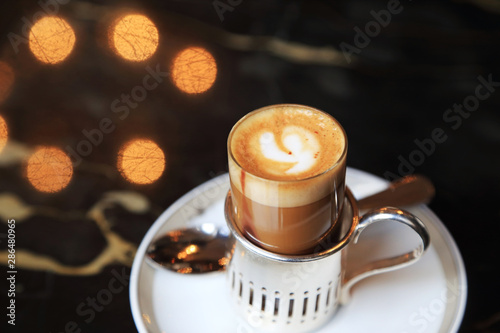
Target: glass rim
(250, 114)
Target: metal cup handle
(388, 264)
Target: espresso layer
(289, 230)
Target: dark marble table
(416, 94)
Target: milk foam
(285, 152)
(301, 148)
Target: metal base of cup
(288, 293)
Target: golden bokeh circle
(141, 161)
(4, 133)
(7, 78)
(194, 70)
(49, 169)
(135, 37)
(51, 39)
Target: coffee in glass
(287, 170)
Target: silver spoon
(196, 250)
(203, 249)
(406, 191)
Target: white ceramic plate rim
(451, 322)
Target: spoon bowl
(194, 250)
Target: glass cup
(288, 216)
(280, 224)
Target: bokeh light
(194, 70)
(6, 80)
(135, 37)
(141, 161)
(51, 39)
(49, 169)
(4, 133)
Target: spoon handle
(407, 191)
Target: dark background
(395, 91)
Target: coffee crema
(287, 143)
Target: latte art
(287, 143)
(301, 150)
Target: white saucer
(428, 296)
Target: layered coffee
(287, 171)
